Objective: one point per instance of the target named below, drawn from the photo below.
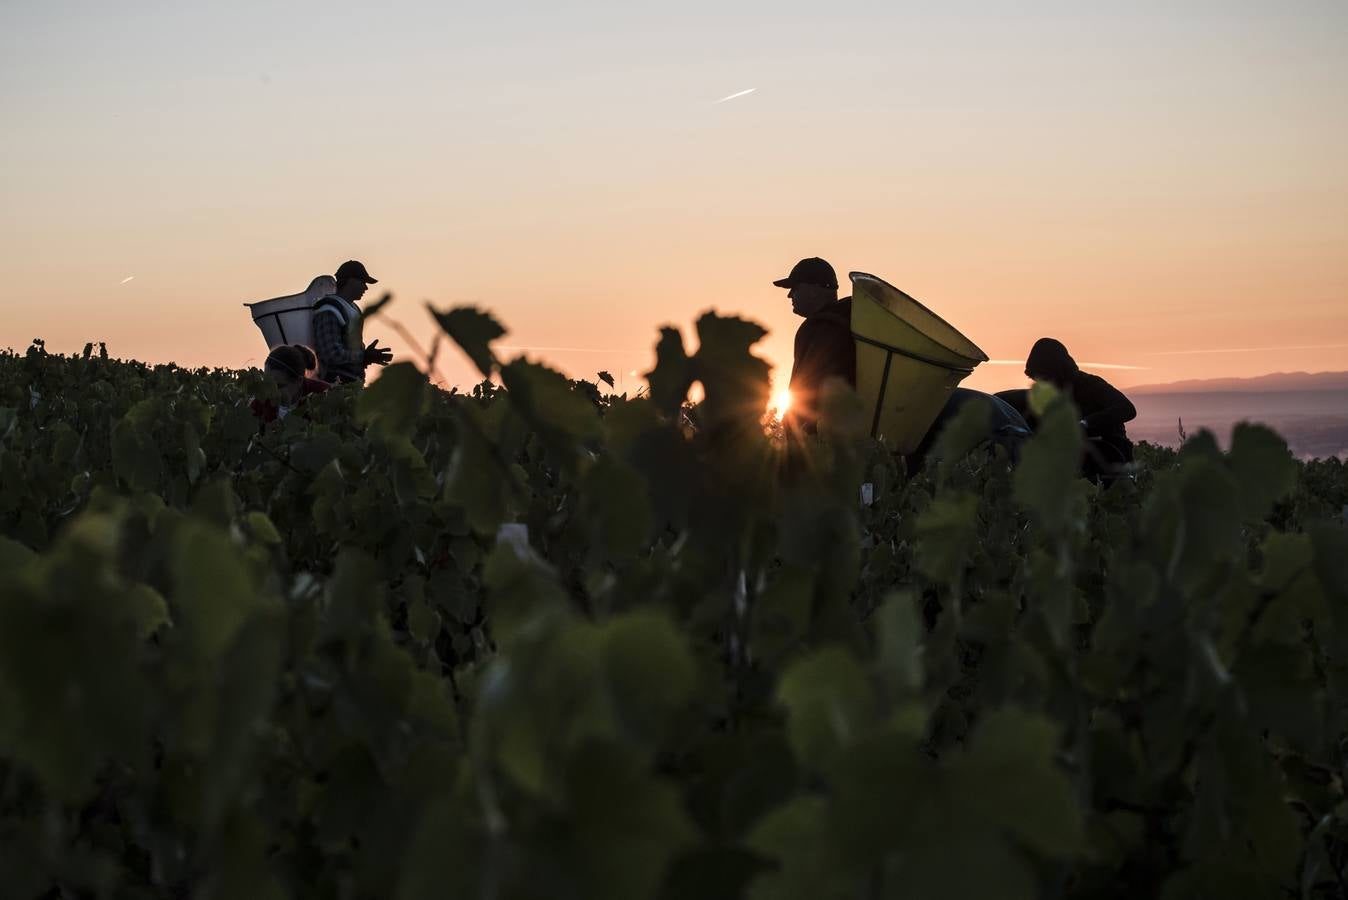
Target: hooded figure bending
(1104, 409)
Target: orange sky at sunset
(1159, 190)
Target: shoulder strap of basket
(331, 304)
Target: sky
(1161, 186)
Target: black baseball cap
(810, 271)
(353, 269)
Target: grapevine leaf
(828, 704)
(673, 373)
(396, 400)
(735, 380)
(899, 630)
(1046, 478)
(947, 529)
(212, 589)
(547, 401)
(650, 672)
(262, 528)
(1009, 778)
(1263, 466)
(615, 501)
(969, 428)
(473, 330)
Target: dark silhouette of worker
(1103, 408)
(824, 346)
(339, 329)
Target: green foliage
(542, 640)
(473, 330)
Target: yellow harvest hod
(908, 361)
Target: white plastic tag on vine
(516, 534)
(867, 493)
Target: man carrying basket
(338, 329)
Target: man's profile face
(354, 289)
(808, 299)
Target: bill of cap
(784, 282)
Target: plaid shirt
(338, 360)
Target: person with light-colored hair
(289, 367)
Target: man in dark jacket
(824, 346)
(338, 329)
(1104, 409)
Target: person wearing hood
(1103, 408)
(824, 347)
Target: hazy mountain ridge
(1310, 411)
(1277, 381)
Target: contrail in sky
(127, 278)
(1084, 365)
(739, 94)
(1247, 349)
(566, 349)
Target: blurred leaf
(781, 617)
(1263, 466)
(473, 330)
(795, 836)
(673, 373)
(373, 309)
(212, 590)
(615, 504)
(396, 399)
(626, 826)
(1009, 778)
(899, 634)
(477, 479)
(828, 703)
(650, 672)
(547, 401)
(262, 528)
(1045, 481)
(148, 608)
(13, 555)
(960, 435)
(735, 380)
(946, 531)
(522, 588)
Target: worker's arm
(1103, 405)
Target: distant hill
(1309, 410)
(1279, 381)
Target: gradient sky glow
(1161, 185)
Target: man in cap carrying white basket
(339, 339)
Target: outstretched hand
(376, 355)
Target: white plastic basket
(290, 320)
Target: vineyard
(540, 640)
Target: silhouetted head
(1050, 361)
(310, 360)
(286, 366)
(811, 286)
(353, 280)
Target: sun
(781, 402)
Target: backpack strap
(330, 304)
